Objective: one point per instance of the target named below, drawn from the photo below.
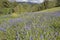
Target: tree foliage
(7, 7)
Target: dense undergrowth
(22, 21)
(30, 26)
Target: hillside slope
(44, 25)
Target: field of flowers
(30, 26)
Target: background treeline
(7, 7)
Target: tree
(58, 3)
(50, 3)
(45, 4)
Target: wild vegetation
(7, 7)
(30, 26)
(25, 21)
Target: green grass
(51, 9)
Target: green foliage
(58, 2)
(56, 24)
(2, 35)
(11, 34)
(7, 7)
(32, 27)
